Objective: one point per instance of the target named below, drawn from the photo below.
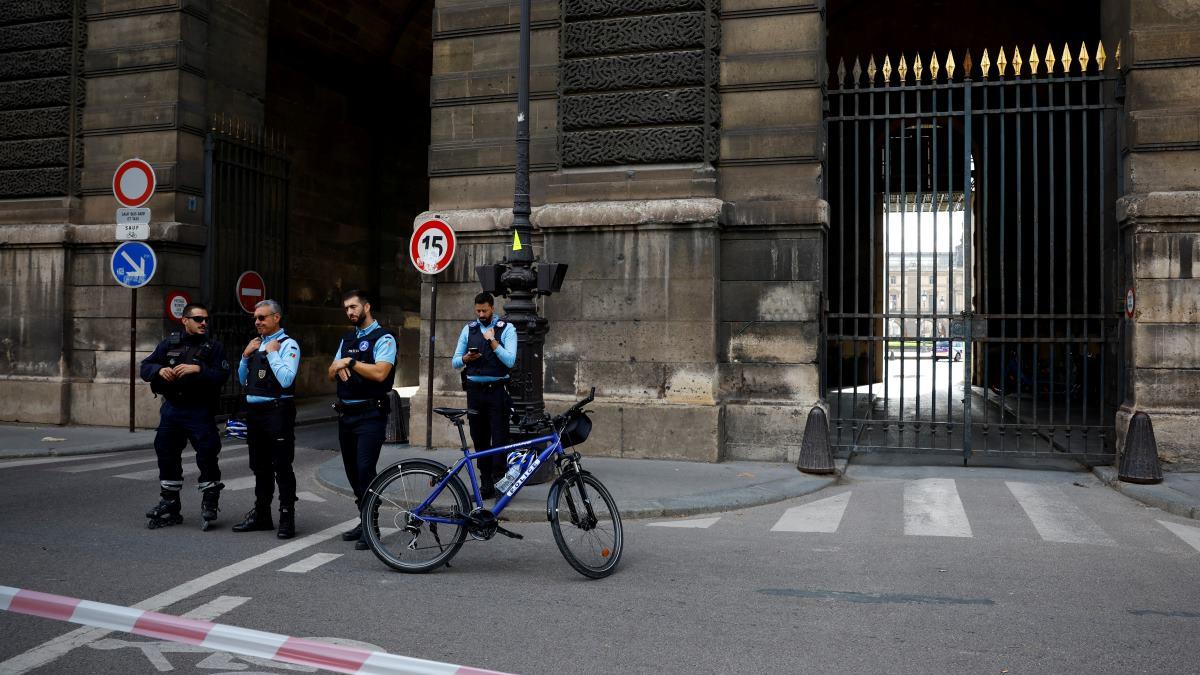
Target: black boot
(256, 519)
(210, 501)
(354, 534)
(287, 522)
(166, 512)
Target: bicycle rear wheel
(586, 524)
(405, 541)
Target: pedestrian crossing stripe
(823, 515)
(695, 523)
(1190, 535)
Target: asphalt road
(918, 569)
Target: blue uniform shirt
(284, 364)
(384, 351)
(506, 352)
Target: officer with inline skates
(187, 369)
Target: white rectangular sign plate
(133, 216)
(133, 232)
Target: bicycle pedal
(509, 533)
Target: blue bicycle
(416, 513)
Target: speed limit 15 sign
(431, 247)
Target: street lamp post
(520, 276)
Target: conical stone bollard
(815, 454)
(1139, 462)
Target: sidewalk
(1178, 494)
(643, 488)
(41, 440)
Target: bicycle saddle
(453, 414)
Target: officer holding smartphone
(486, 352)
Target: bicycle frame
(554, 448)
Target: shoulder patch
(473, 324)
(500, 324)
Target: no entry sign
(251, 289)
(176, 301)
(134, 183)
(431, 247)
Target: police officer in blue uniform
(268, 372)
(486, 352)
(365, 369)
(187, 369)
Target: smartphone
(472, 350)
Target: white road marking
(823, 515)
(187, 459)
(54, 460)
(697, 523)
(56, 648)
(1190, 535)
(311, 563)
(306, 496)
(222, 604)
(932, 509)
(148, 474)
(1055, 517)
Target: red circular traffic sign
(431, 247)
(1130, 303)
(134, 183)
(251, 290)
(176, 301)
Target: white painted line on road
(148, 474)
(1190, 535)
(311, 563)
(243, 483)
(697, 523)
(306, 496)
(1055, 517)
(932, 509)
(54, 460)
(823, 515)
(187, 459)
(221, 605)
(58, 647)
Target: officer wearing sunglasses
(187, 370)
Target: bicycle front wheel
(586, 524)
(407, 541)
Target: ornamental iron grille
(972, 304)
(638, 82)
(246, 193)
(41, 97)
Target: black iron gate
(246, 197)
(973, 254)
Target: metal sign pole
(429, 377)
(132, 351)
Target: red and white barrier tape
(222, 638)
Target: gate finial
(857, 72)
(871, 70)
(985, 65)
(1083, 57)
(933, 67)
(1049, 59)
(918, 69)
(1066, 59)
(1001, 63)
(1117, 56)
(950, 65)
(841, 73)
(887, 69)
(1033, 60)
(1016, 61)
(1101, 57)
(903, 69)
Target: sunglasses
(198, 319)
(262, 317)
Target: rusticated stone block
(33, 401)
(775, 259)
(1167, 255)
(1168, 300)
(769, 381)
(764, 432)
(770, 182)
(770, 301)
(788, 342)
(1174, 389)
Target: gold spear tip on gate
(1001, 63)
(1101, 57)
(1117, 55)
(841, 73)
(1083, 57)
(903, 69)
(950, 65)
(871, 70)
(857, 72)
(1049, 59)
(985, 64)
(1033, 60)
(933, 67)
(1016, 61)
(918, 69)
(887, 69)
(1066, 58)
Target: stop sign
(251, 289)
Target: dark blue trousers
(176, 426)
(361, 436)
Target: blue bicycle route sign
(133, 264)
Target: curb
(1159, 496)
(748, 496)
(222, 637)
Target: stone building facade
(680, 168)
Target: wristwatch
(351, 364)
